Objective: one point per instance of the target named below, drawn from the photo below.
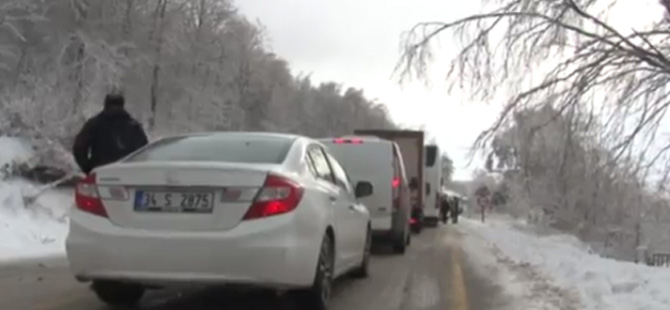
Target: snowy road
(436, 273)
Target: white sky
(356, 43)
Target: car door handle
(332, 198)
(352, 208)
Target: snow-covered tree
(184, 65)
(578, 136)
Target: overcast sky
(356, 43)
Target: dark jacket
(444, 204)
(106, 138)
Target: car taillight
(86, 197)
(395, 183)
(344, 141)
(278, 195)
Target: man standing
(108, 136)
(455, 209)
(444, 208)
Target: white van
(380, 162)
(433, 179)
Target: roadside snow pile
(33, 230)
(601, 283)
(13, 150)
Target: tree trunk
(202, 10)
(128, 20)
(81, 14)
(161, 8)
(20, 64)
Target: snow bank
(481, 255)
(13, 149)
(601, 283)
(34, 230)
(521, 288)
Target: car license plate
(175, 202)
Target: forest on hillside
(184, 65)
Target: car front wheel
(118, 294)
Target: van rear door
(401, 194)
(372, 161)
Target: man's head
(114, 102)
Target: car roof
(291, 161)
(222, 134)
(363, 138)
(290, 138)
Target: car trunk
(184, 196)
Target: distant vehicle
(252, 209)
(410, 143)
(380, 162)
(433, 177)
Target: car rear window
(234, 148)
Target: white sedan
(258, 209)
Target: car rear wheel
(362, 270)
(118, 294)
(316, 297)
(417, 227)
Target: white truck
(433, 185)
(411, 146)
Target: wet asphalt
(435, 273)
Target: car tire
(399, 242)
(418, 227)
(399, 246)
(362, 271)
(118, 294)
(316, 297)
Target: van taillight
(347, 141)
(395, 187)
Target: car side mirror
(363, 189)
(413, 183)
